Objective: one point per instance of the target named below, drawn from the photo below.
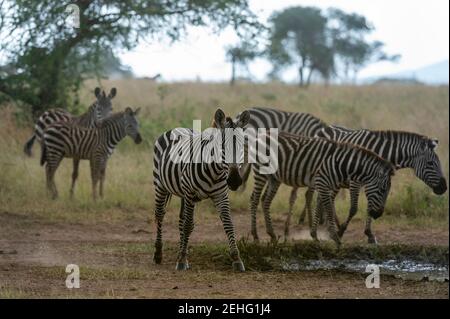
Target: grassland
(29, 220)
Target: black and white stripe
(323, 165)
(401, 149)
(291, 122)
(96, 144)
(101, 108)
(194, 181)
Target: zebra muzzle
(138, 139)
(441, 188)
(234, 180)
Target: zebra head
(377, 190)
(103, 106)
(233, 144)
(427, 167)
(132, 125)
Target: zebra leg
(318, 210)
(307, 208)
(336, 219)
(161, 199)
(309, 198)
(354, 196)
(50, 170)
(329, 209)
(292, 199)
(371, 239)
(268, 197)
(188, 226)
(76, 163)
(260, 181)
(102, 180)
(222, 204)
(95, 178)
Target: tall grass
(129, 189)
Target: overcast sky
(416, 29)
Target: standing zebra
(323, 165)
(101, 108)
(291, 122)
(195, 180)
(96, 144)
(402, 149)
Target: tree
(240, 55)
(47, 60)
(325, 43)
(348, 32)
(299, 37)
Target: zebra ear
(244, 118)
(97, 92)
(128, 110)
(219, 119)
(137, 111)
(112, 93)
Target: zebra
(194, 181)
(63, 139)
(98, 110)
(402, 149)
(324, 165)
(291, 122)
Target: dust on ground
(116, 261)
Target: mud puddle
(404, 269)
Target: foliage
(46, 59)
(240, 55)
(319, 42)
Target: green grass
(129, 189)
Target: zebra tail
(43, 153)
(29, 145)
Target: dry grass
(129, 191)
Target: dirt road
(115, 260)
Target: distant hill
(434, 74)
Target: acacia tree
(325, 43)
(43, 60)
(353, 52)
(240, 55)
(298, 37)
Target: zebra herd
(310, 153)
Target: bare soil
(115, 260)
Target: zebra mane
(113, 118)
(365, 151)
(404, 133)
(387, 164)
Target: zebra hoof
(157, 259)
(372, 240)
(238, 266)
(182, 266)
